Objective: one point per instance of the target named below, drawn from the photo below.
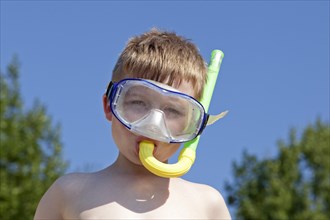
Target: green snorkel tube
(188, 153)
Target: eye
(173, 112)
(135, 103)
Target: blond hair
(164, 57)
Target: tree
(294, 184)
(30, 150)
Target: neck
(137, 180)
(122, 166)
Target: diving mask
(157, 111)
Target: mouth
(137, 146)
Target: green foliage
(30, 150)
(295, 184)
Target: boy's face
(128, 142)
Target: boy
(126, 189)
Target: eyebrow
(138, 90)
(171, 99)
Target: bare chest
(150, 207)
(122, 197)
(116, 211)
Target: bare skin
(127, 190)
(133, 194)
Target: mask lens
(135, 100)
(135, 103)
(187, 121)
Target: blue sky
(275, 74)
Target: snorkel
(188, 153)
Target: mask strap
(109, 89)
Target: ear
(106, 108)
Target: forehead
(185, 84)
(187, 88)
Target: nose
(152, 125)
(153, 128)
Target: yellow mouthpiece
(185, 161)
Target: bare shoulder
(70, 184)
(53, 202)
(208, 196)
(73, 181)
